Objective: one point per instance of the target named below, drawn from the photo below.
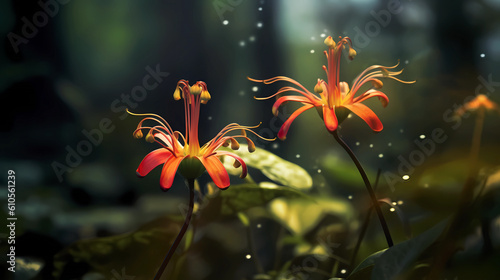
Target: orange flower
(189, 158)
(334, 100)
(479, 102)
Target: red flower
(334, 100)
(188, 157)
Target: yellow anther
(352, 53)
(150, 138)
(330, 42)
(205, 96)
(195, 89)
(138, 134)
(177, 93)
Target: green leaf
(343, 171)
(300, 215)
(399, 258)
(272, 166)
(239, 198)
(364, 269)
(109, 255)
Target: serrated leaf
(272, 166)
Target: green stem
(373, 197)
(190, 183)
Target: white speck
(242, 92)
(380, 155)
(401, 130)
(357, 143)
(422, 136)
(343, 271)
(209, 118)
(319, 170)
(259, 24)
(394, 203)
(406, 177)
(297, 156)
(248, 256)
(259, 225)
(254, 89)
(349, 197)
(225, 22)
(323, 35)
(349, 116)
(371, 145)
(311, 51)
(482, 55)
(400, 202)
(389, 144)
(407, 61)
(275, 145)
(242, 43)
(313, 38)
(426, 185)
(251, 39)
(392, 209)
(260, 9)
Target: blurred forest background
(68, 69)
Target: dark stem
(373, 197)
(190, 183)
(364, 228)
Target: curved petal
(240, 160)
(152, 160)
(330, 119)
(216, 170)
(284, 128)
(168, 172)
(367, 115)
(372, 93)
(283, 99)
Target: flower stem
(190, 183)
(373, 197)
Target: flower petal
(283, 99)
(168, 172)
(152, 160)
(330, 119)
(216, 170)
(284, 128)
(372, 93)
(367, 115)
(239, 159)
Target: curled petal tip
(139, 174)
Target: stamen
(138, 134)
